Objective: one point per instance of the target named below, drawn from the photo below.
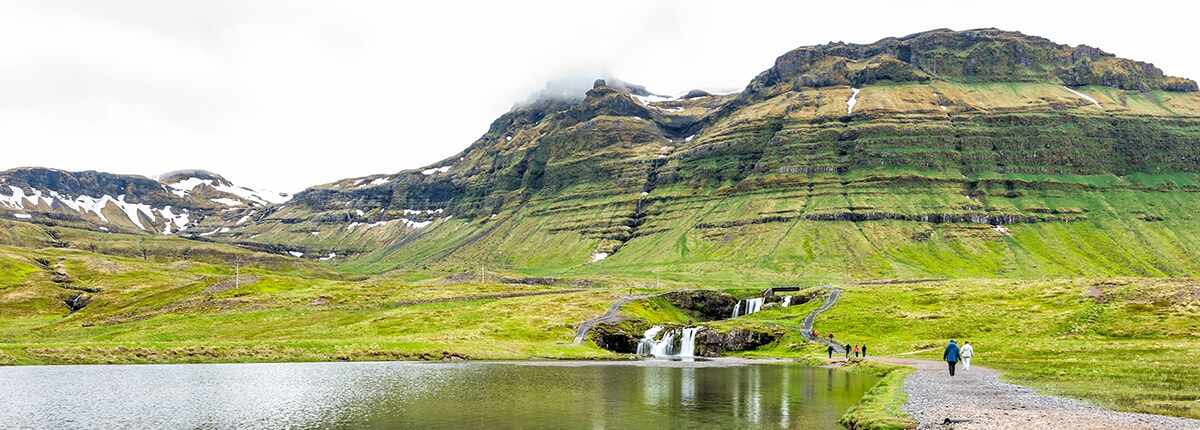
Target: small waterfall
(664, 347)
(751, 305)
(667, 347)
(687, 342)
(787, 301)
(754, 305)
(647, 343)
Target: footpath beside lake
(978, 395)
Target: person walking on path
(951, 355)
(847, 350)
(865, 349)
(967, 352)
(855, 351)
(831, 337)
(831, 351)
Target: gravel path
(834, 293)
(610, 316)
(979, 395)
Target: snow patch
(23, 216)
(215, 231)
(1002, 230)
(296, 254)
(655, 98)
(415, 225)
(508, 138)
(943, 108)
(180, 220)
(132, 209)
(331, 256)
(852, 101)
(227, 201)
(315, 233)
(360, 212)
(379, 181)
(442, 169)
(1085, 97)
(689, 138)
(262, 197)
(599, 256)
(424, 212)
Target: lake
(468, 395)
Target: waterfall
(647, 343)
(666, 347)
(687, 342)
(754, 305)
(787, 301)
(663, 347)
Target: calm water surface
(427, 396)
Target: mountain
(940, 154)
(174, 203)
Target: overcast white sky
(287, 94)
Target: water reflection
(422, 395)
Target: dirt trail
(834, 293)
(610, 316)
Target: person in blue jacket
(951, 355)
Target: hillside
(941, 154)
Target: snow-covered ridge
(91, 205)
(184, 187)
(431, 171)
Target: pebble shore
(980, 396)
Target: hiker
(847, 350)
(864, 350)
(855, 351)
(951, 355)
(831, 337)
(830, 352)
(967, 352)
(814, 333)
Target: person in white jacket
(967, 352)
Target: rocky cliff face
(984, 55)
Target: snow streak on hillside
(184, 187)
(85, 205)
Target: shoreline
(980, 396)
